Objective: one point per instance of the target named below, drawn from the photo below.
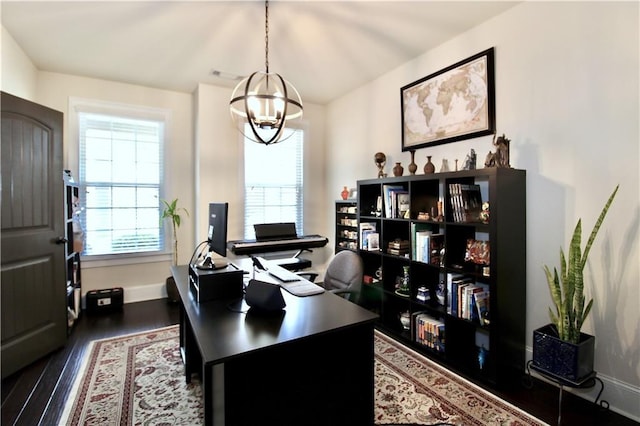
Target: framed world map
(452, 104)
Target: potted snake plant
(171, 211)
(560, 348)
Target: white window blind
(120, 168)
(273, 178)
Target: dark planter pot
(568, 361)
(172, 290)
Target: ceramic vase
(345, 193)
(413, 166)
(429, 167)
(398, 170)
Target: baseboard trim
(622, 397)
(145, 292)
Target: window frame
(80, 105)
(300, 187)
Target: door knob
(61, 240)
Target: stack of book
(398, 247)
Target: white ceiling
(324, 48)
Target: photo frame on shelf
(455, 103)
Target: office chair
(343, 275)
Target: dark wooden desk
(313, 365)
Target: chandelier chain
(266, 36)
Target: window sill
(89, 262)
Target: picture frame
(453, 104)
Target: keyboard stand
(294, 263)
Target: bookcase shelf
(465, 305)
(346, 225)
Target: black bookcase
(486, 347)
(346, 237)
(73, 247)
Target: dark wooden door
(34, 317)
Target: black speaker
(263, 296)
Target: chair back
(344, 273)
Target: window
(120, 172)
(273, 183)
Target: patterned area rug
(138, 379)
(412, 390)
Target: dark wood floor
(37, 394)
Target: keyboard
(252, 246)
(290, 281)
(283, 275)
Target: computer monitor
(216, 237)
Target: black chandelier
(264, 102)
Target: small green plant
(172, 211)
(567, 289)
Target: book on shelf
(418, 233)
(366, 228)
(466, 202)
(453, 201)
(373, 241)
(471, 202)
(404, 204)
(468, 300)
(386, 192)
(481, 302)
(455, 296)
(390, 199)
(429, 331)
(451, 278)
(436, 249)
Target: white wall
(219, 164)
(54, 90)
(18, 72)
(567, 97)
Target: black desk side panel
(324, 380)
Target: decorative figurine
(445, 165)
(470, 161)
(502, 151)
(380, 159)
(484, 214)
(490, 160)
(402, 283)
(501, 157)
